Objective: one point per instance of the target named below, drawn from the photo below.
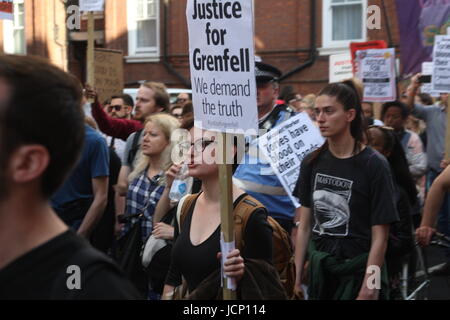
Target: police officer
(254, 174)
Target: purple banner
(419, 21)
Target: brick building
(295, 35)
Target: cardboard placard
(108, 69)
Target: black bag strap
(134, 147)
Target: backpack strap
(184, 205)
(134, 147)
(242, 213)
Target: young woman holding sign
(195, 254)
(345, 189)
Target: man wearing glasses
(121, 106)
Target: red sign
(6, 9)
(356, 46)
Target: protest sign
(377, 71)
(359, 46)
(340, 67)
(427, 87)
(91, 5)
(221, 55)
(441, 60)
(108, 73)
(6, 10)
(285, 147)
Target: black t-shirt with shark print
(347, 197)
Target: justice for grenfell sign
(221, 54)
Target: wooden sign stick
(226, 206)
(90, 78)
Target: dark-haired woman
(195, 251)
(384, 140)
(346, 191)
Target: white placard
(221, 56)
(340, 67)
(427, 69)
(377, 71)
(441, 60)
(286, 145)
(91, 5)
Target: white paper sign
(91, 5)
(221, 56)
(286, 146)
(340, 67)
(377, 71)
(441, 60)
(427, 69)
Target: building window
(14, 30)
(344, 21)
(143, 30)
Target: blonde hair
(309, 100)
(167, 124)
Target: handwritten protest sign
(441, 60)
(91, 5)
(221, 54)
(377, 71)
(6, 9)
(287, 145)
(108, 73)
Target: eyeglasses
(181, 100)
(116, 107)
(199, 145)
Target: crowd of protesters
(71, 180)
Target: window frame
(9, 30)
(144, 54)
(330, 46)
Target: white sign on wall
(221, 55)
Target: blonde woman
(147, 180)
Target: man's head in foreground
(41, 125)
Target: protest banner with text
(377, 71)
(286, 146)
(108, 73)
(221, 54)
(441, 64)
(341, 67)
